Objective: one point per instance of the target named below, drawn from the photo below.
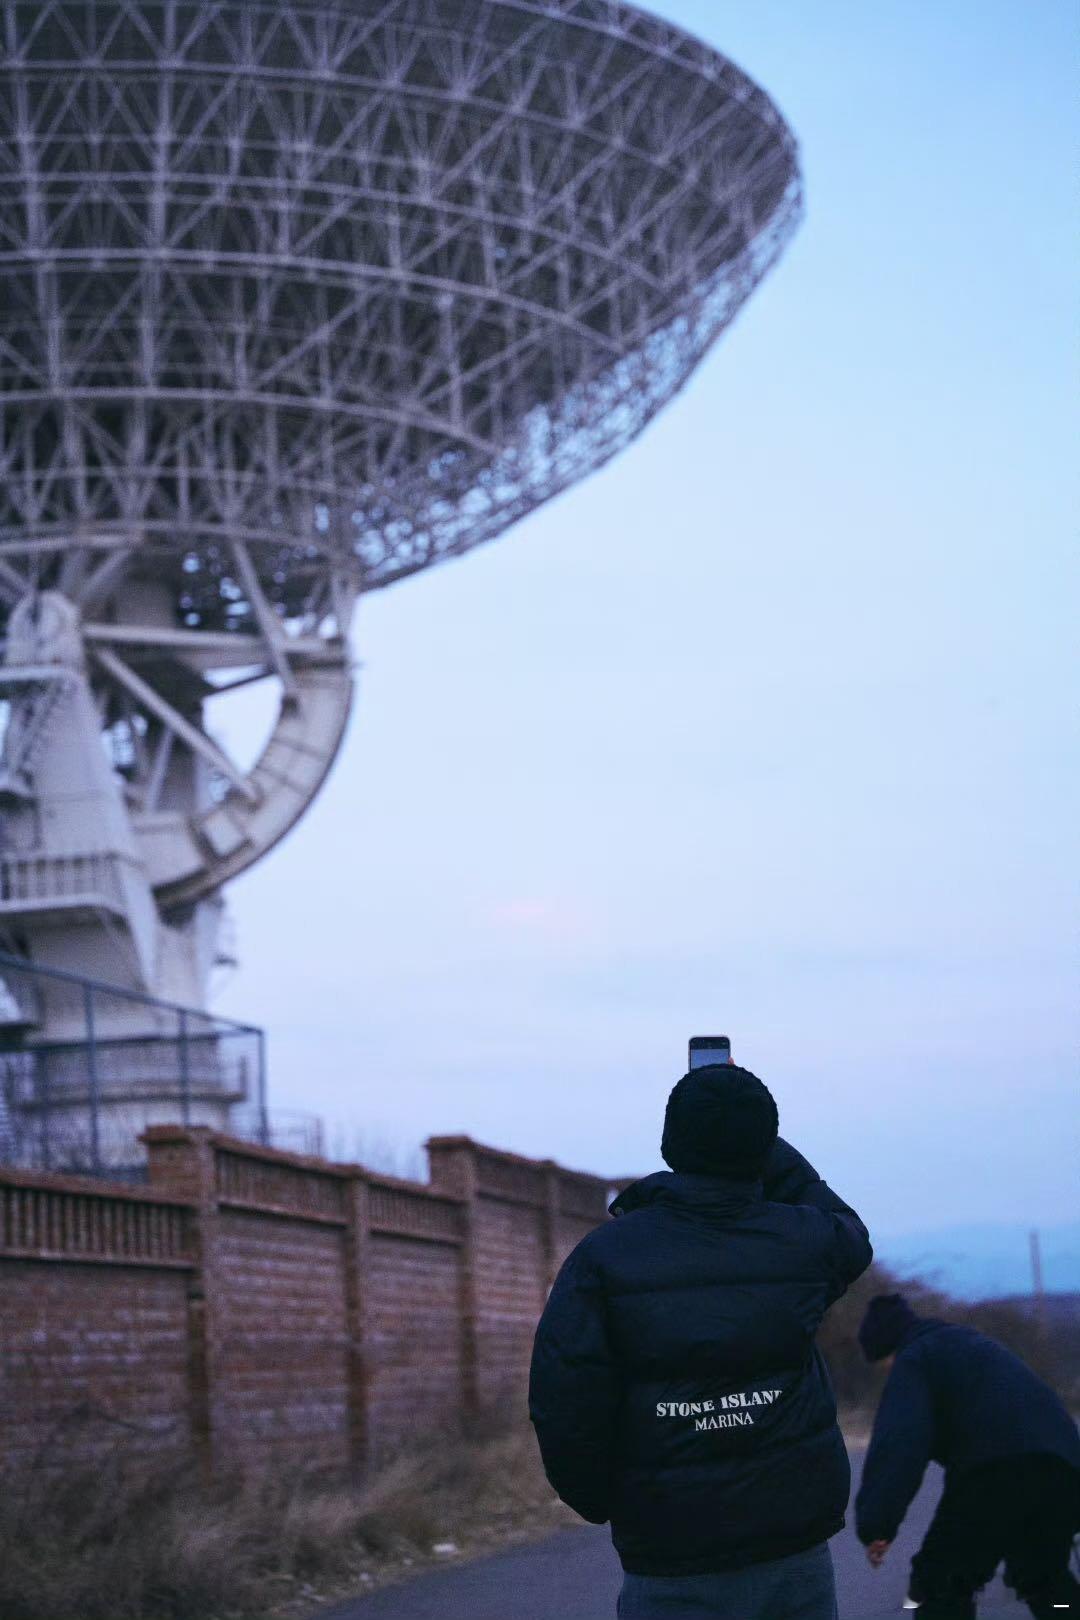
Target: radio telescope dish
(297, 298)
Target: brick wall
(94, 1330)
(256, 1302)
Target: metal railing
(86, 1066)
(41, 880)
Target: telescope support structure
(123, 816)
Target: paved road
(574, 1575)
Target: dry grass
(268, 1543)
(101, 1544)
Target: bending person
(1011, 1455)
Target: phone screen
(705, 1049)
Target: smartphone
(709, 1049)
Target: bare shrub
(116, 1542)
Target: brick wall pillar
(357, 1319)
(452, 1166)
(181, 1161)
(551, 1224)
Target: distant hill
(984, 1261)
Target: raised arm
(791, 1179)
(573, 1390)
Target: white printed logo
(727, 1412)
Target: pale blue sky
(768, 727)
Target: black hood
(723, 1194)
(916, 1329)
(889, 1324)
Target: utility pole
(1037, 1289)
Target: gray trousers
(799, 1587)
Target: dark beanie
(720, 1121)
(887, 1319)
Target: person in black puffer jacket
(1011, 1455)
(676, 1388)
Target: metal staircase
(34, 695)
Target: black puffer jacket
(676, 1388)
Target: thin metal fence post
(264, 1122)
(92, 1076)
(41, 1091)
(185, 1070)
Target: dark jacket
(962, 1399)
(676, 1388)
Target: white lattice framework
(299, 297)
(355, 280)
